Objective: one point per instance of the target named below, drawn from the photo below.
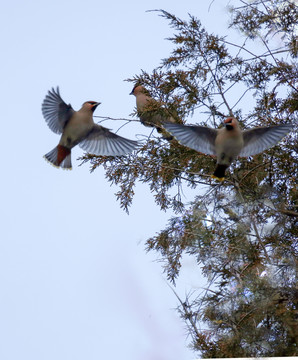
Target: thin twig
(274, 52)
(217, 83)
(253, 224)
(253, 169)
(186, 312)
(105, 118)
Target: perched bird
(147, 111)
(228, 142)
(78, 128)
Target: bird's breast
(76, 130)
(142, 101)
(229, 143)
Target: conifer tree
(242, 232)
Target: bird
(78, 128)
(228, 142)
(151, 117)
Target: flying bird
(228, 142)
(148, 117)
(78, 128)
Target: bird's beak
(95, 106)
(228, 120)
(132, 91)
(228, 124)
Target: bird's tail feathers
(60, 156)
(219, 173)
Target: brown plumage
(148, 117)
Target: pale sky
(76, 282)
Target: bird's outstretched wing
(101, 141)
(260, 139)
(55, 111)
(199, 138)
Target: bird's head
(91, 105)
(138, 89)
(230, 123)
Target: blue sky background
(75, 280)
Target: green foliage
(243, 232)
